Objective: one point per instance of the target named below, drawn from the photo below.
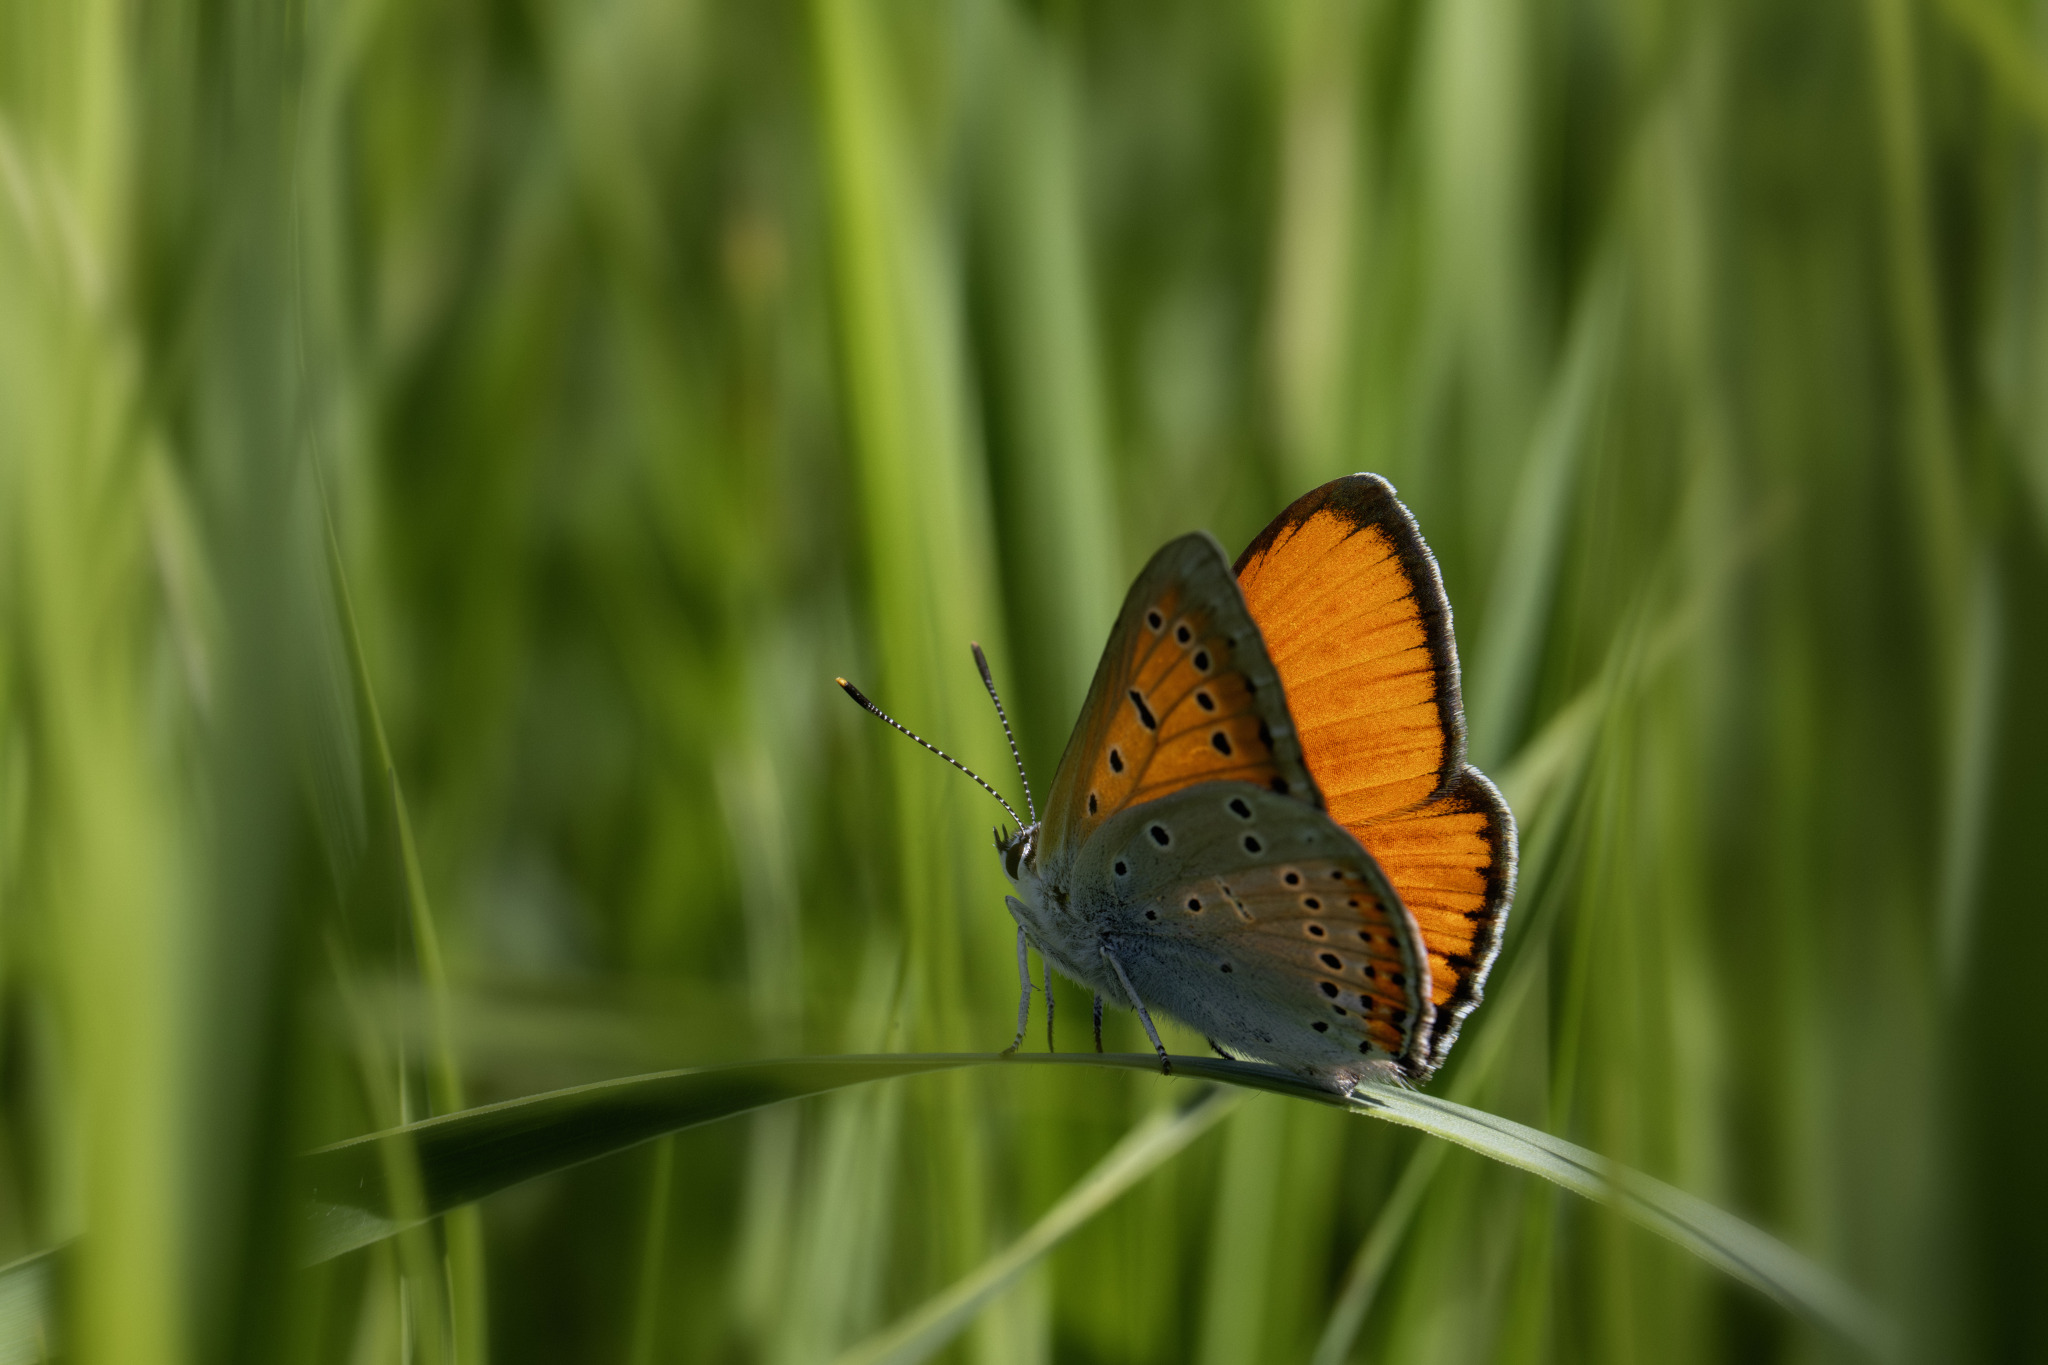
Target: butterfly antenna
(988, 680)
(875, 710)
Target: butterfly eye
(1011, 857)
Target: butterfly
(1264, 824)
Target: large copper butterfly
(1264, 823)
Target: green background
(654, 361)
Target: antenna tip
(855, 693)
(841, 681)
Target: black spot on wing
(1145, 716)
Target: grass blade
(1714, 1235)
(464, 1157)
(469, 1315)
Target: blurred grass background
(651, 361)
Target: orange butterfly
(1264, 822)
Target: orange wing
(1452, 861)
(1185, 693)
(1354, 618)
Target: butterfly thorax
(1044, 907)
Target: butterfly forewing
(1184, 694)
(1259, 921)
(1355, 621)
(1353, 616)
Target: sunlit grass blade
(924, 520)
(1158, 1139)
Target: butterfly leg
(1024, 999)
(1165, 1062)
(1048, 1002)
(1098, 1021)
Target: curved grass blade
(463, 1157)
(1155, 1141)
(1715, 1236)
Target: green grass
(654, 363)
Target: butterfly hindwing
(1184, 694)
(1256, 919)
(1453, 863)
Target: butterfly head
(1018, 851)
